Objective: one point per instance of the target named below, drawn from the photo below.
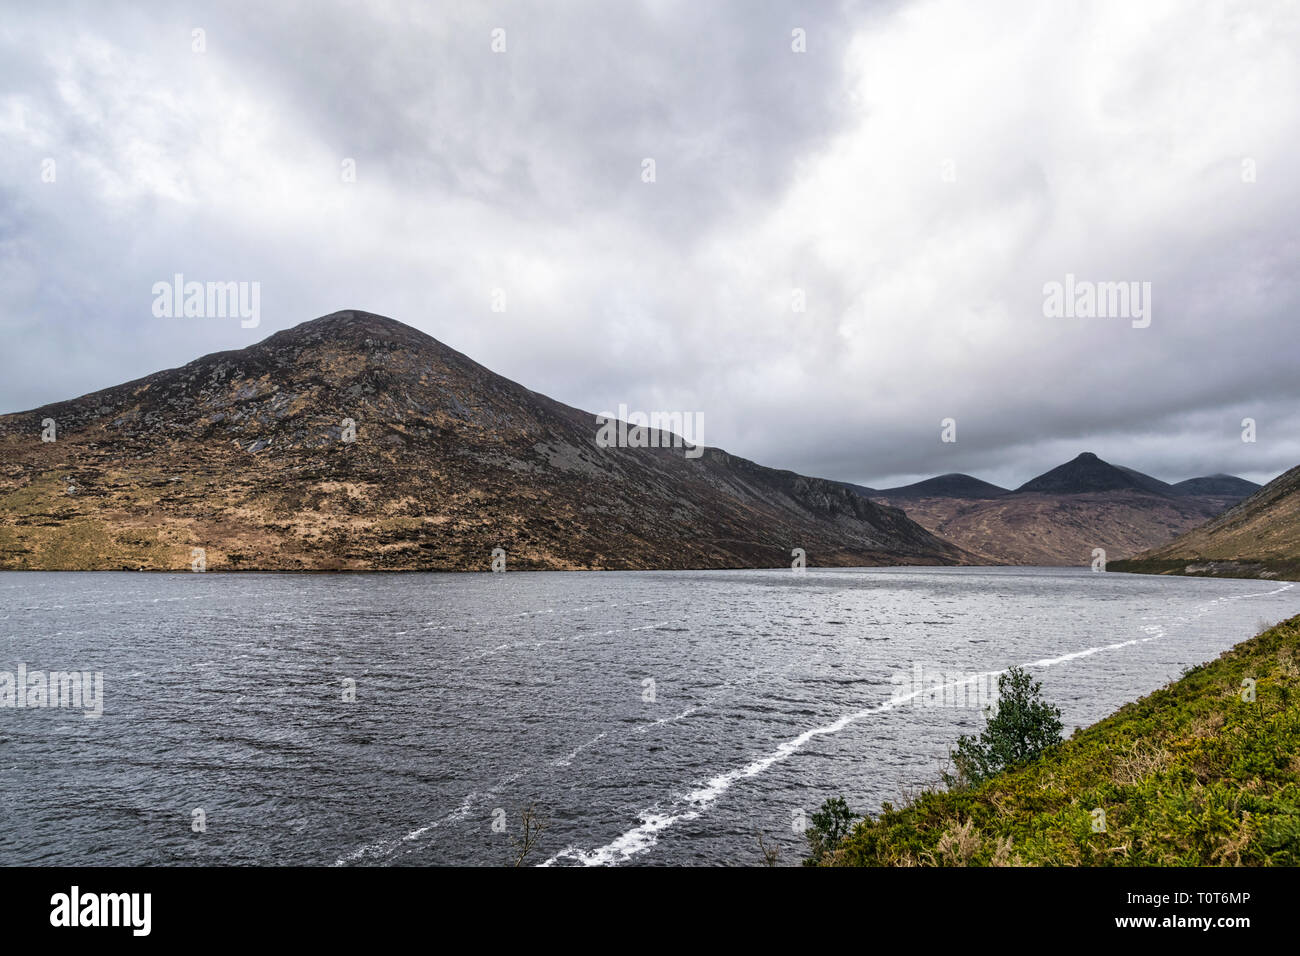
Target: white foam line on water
(666, 720)
(643, 837)
(386, 848)
(693, 804)
(567, 760)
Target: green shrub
(1021, 728)
(826, 828)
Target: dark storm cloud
(917, 175)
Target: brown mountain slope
(242, 454)
(1061, 516)
(1060, 530)
(1260, 537)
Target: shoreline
(1203, 772)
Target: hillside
(1259, 537)
(1061, 516)
(1058, 530)
(1191, 775)
(243, 454)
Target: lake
(651, 718)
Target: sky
(846, 237)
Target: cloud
(917, 176)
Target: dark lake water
(650, 717)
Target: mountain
(945, 486)
(1061, 516)
(1226, 485)
(1088, 473)
(244, 454)
(1259, 537)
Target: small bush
(826, 828)
(1023, 726)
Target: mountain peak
(1088, 473)
(953, 485)
(352, 326)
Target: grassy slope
(1259, 537)
(1190, 775)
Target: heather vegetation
(1203, 772)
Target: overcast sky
(919, 173)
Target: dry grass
(1139, 762)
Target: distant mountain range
(1258, 537)
(247, 460)
(1062, 515)
(1083, 474)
